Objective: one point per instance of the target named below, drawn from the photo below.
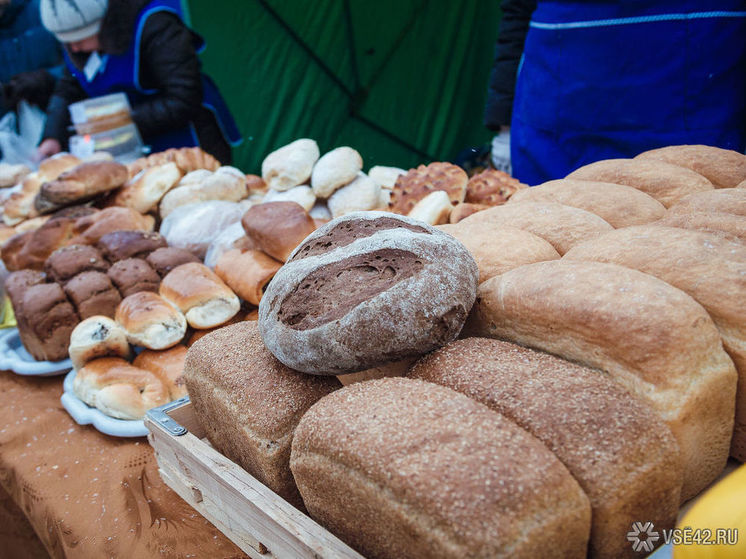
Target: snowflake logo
(643, 536)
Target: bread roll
(497, 249)
(335, 169)
(619, 205)
(226, 184)
(165, 259)
(434, 209)
(34, 248)
(663, 181)
(433, 474)
(367, 289)
(54, 166)
(620, 452)
(150, 321)
(29, 225)
(462, 211)
(384, 198)
(723, 167)
(199, 334)
(562, 226)
(16, 285)
(247, 273)
(200, 294)
(492, 188)
(195, 177)
(250, 403)
(93, 294)
(121, 245)
(133, 275)
(256, 185)
(51, 318)
(385, 177)
(277, 227)
(167, 365)
(91, 228)
(66, 262)
(710, 269)
(320, 211)
(302, 195)
(20, 204)
(11, 175)
(143, 192)
(97, 336)
(290, 165)
(119, 389)
(730, 226)
(360, 195)
(418, 183)
(654, 339)
(80, 183)
(726, 200)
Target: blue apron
(610, 79)
(121, 73)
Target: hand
(501, 150)
(48, 148)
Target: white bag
(19, 135)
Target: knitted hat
(73, 20)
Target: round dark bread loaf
(366, 289)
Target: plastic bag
(501, 152)
(20, 134)
(223, 243)
(194, 226)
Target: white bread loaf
(227, 184)
(359, 195)
(562, 226)
(404, 468)
(302, 195)
(385, 177)
(497, 249)
(150, 321)
(98, 336)
(290, 165)
(143, 192)
(621, 453)
(200, 294)
(119, 389)
(335, 169)
(654, 339)
(709, 268)
(663, 181)
(619, 205)
(433, 209)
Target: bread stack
(80, 281)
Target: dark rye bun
(404, 468)
(366, 289)
(620, 452)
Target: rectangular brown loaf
(249, 403)
(621, 453)
(405, 468)
(654, 339)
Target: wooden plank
(241, 507)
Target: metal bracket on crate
(160, 416)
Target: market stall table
(86, 495)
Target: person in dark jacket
(30, 56)
(141, 48)
(575, 81)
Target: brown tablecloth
(85, 494)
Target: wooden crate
(255, 518)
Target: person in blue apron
(578, 81)
(141, 48)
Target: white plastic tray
(83, 414)
(14, 357)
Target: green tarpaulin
(402, 81)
